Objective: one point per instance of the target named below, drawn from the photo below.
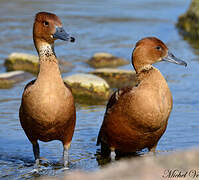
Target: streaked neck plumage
(48, 62)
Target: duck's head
(150, 50)
(47, 28)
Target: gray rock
(29, 63)
(117, 78)
(179, 165)
(188, 22)
(8, 79)
(88, 88)
(100, 60)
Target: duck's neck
(144, 68)
(49, 68)
(144, 73)
(46, 52)
(153, 76)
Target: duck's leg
(105, 150)
(152, 150)
(36, 152)
(113, 154)
(66, 154)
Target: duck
(47, 110)
(136, 117)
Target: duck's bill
(171, 58)
(62, 35)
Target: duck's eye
(46, 23)
(158, 48)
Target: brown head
(47, 28)
(150, 50)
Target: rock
(178, 165)
(100, 60)
(22, 61)
(88, 88)
(188, 22)
(8, 79)
(117, 78)
(29, 63)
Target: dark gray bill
(61, 34)
(171, 58)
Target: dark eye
(46, 23)
(158, 48)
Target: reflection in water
(114, 30)
(105, 159)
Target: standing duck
(137, 117)
(47, 109)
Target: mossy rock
(100, 60)
(117, 78)
(88, 88)
(29, 63)
(188, 22)
(22, 61)
(8, 79)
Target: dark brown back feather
(112, 101)
(29, 84)
(67, 86)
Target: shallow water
(111, 26)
